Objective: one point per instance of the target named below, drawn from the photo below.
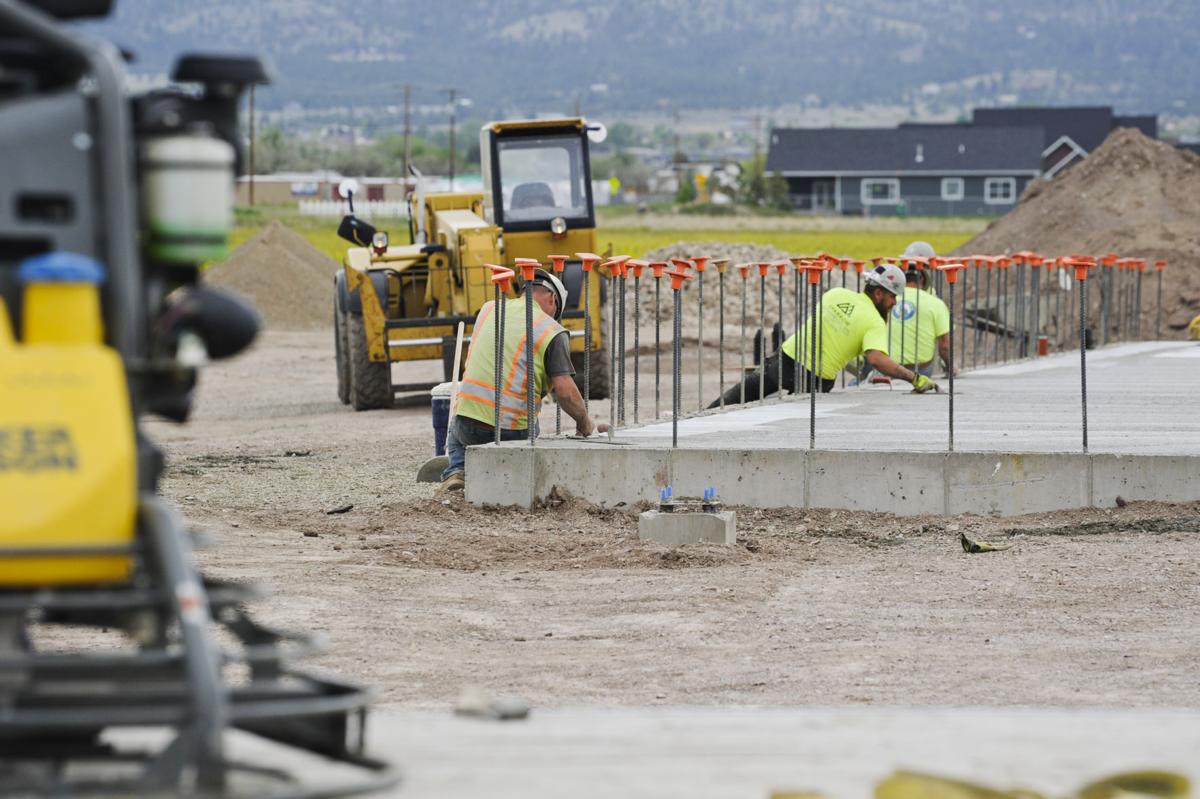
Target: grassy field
(637, 234)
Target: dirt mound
(1134, 196)
(289, 280)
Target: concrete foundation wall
(904, 483)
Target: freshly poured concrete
(1018, 445)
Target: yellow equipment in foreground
(396, 303)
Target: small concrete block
(688, 528)
(500, 475)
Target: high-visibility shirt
(917, 321)
(850, 325)
(477, 391)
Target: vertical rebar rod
(637, 339)
(804, 333)
(1137, 304)
(762, 336)
(1036, 275)
(988, 301)
(1158, 317)
(1058, 321)
(1105, 293)
(700, 338)
(779, 350)
(843, 371)
(796, 320)
(657, 350)
(962, 335)
(950, 366)
(977, 333)
(676, 383)
(498, 334)
(721, 336)
(621, 353)
(531, 422)
(813, 373)
(1083, 300)
(742, 375)
(1004, 311)
(612, 347)
(819, 339)
(587, 343)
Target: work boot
(455, 482)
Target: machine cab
(537, 175)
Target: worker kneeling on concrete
(920, 325)
(474, 415)
(852, 324)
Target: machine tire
(369, 384)
(599, 385)
(339, 349)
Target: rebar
(721, 336)
(995, 338)
(612, 347)
(1158, 317)
(1137, 304)
(977, 333)
(676, 382)
(1105, 294)
(950, 366)
(498, 334)
(1037, 309)
(798, 347)
(587, 343)
(621, 352)
(762, 335)
(812, 372)
(637, 339)
(1083, 300)
(742, 376)
(530, 421)
(657, 348)
(779, 349)
(1004, 311)
(700, 335)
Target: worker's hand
(922, 384)
(586, 428)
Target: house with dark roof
(924, 170)
(966, 168)
(1070, 133)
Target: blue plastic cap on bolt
(61, 267)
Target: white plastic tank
(187, 197)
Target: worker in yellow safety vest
(553, 372)
(851, 324)
(920, 325)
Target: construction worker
(920, 323)
(474, 415)
(852, 324)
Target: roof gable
(934, 148)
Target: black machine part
(73, 9)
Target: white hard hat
(886, 276)
(543, 278)
(919, 249)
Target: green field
(638, 234)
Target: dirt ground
(422, 596)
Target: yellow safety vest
(477, 392)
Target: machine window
(542, 178)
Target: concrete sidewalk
(1018, 444)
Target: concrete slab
(746, 752)
(674, 529)
(1018, 442)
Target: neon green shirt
(850, 325)
(919, 331)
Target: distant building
(926, 170)
(975, 168)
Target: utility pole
(453, 103)
(407, 135)
(250, 184)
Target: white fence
(365, 209)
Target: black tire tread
(369, 384)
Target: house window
(880, 191)
(952, 188)
(1000, 191)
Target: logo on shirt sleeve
(846, 307)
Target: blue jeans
(465, 432)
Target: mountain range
(529, 56)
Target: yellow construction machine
(397, 302)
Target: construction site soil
(1134, 196)
(422, 595)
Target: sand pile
(288, 280)
(1134, 196)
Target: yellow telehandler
(398, 302)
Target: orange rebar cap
(700, 261)
(657, 267)
(682, 263)
(1160, 265)
(951, 270)
(616, 265)
(589, 259)
(1081, 265)
(559, 262)
(502, 276)
(527, 267)
(636, 266)
(677, 278)
(720, 264)
(744, 270)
